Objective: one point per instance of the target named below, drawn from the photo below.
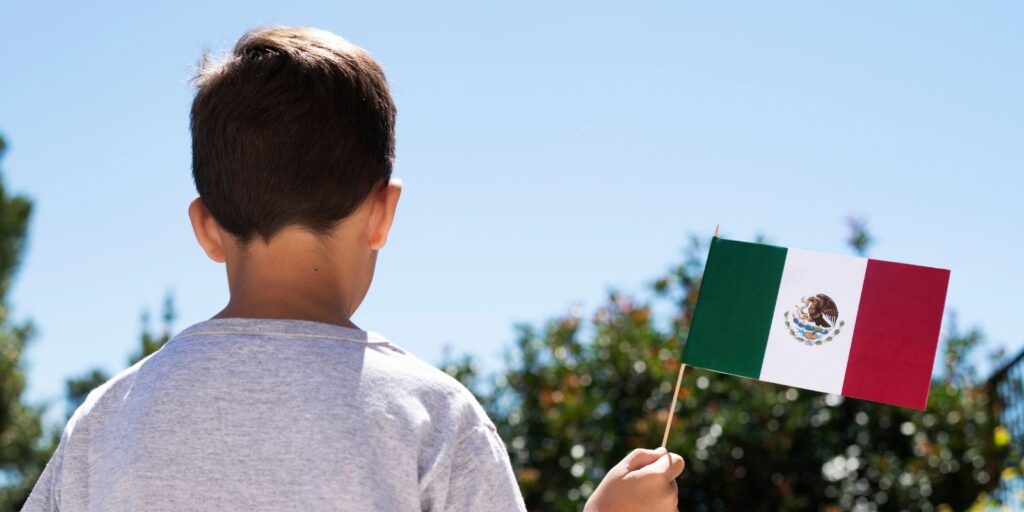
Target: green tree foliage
(78, 388)
(24, 447)
(859, 240)
(579, 393)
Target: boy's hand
(644, 481)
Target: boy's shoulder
(100, 396)
(430, 385)
(389, 373)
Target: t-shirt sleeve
(482, 476)
(45, 495)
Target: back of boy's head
(294, 127)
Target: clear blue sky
(550, 151)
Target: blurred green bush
(578, 393)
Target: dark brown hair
(295, 126)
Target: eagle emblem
(814, 321)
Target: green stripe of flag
(735, 307)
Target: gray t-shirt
(271, 415)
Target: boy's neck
(288, 279)
(254, 307)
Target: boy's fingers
(666, 466)
(642, 457)
(676, 466)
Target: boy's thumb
(642, 457)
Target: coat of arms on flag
(814, 321)
(858, 327)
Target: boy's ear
(207, 230)
(382, 212)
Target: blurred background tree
(579, 393)
(24, 447)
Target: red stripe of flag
(896, 334)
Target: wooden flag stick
(675, 394)
(672, 409)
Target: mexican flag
(858, 327)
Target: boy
(280, 402)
